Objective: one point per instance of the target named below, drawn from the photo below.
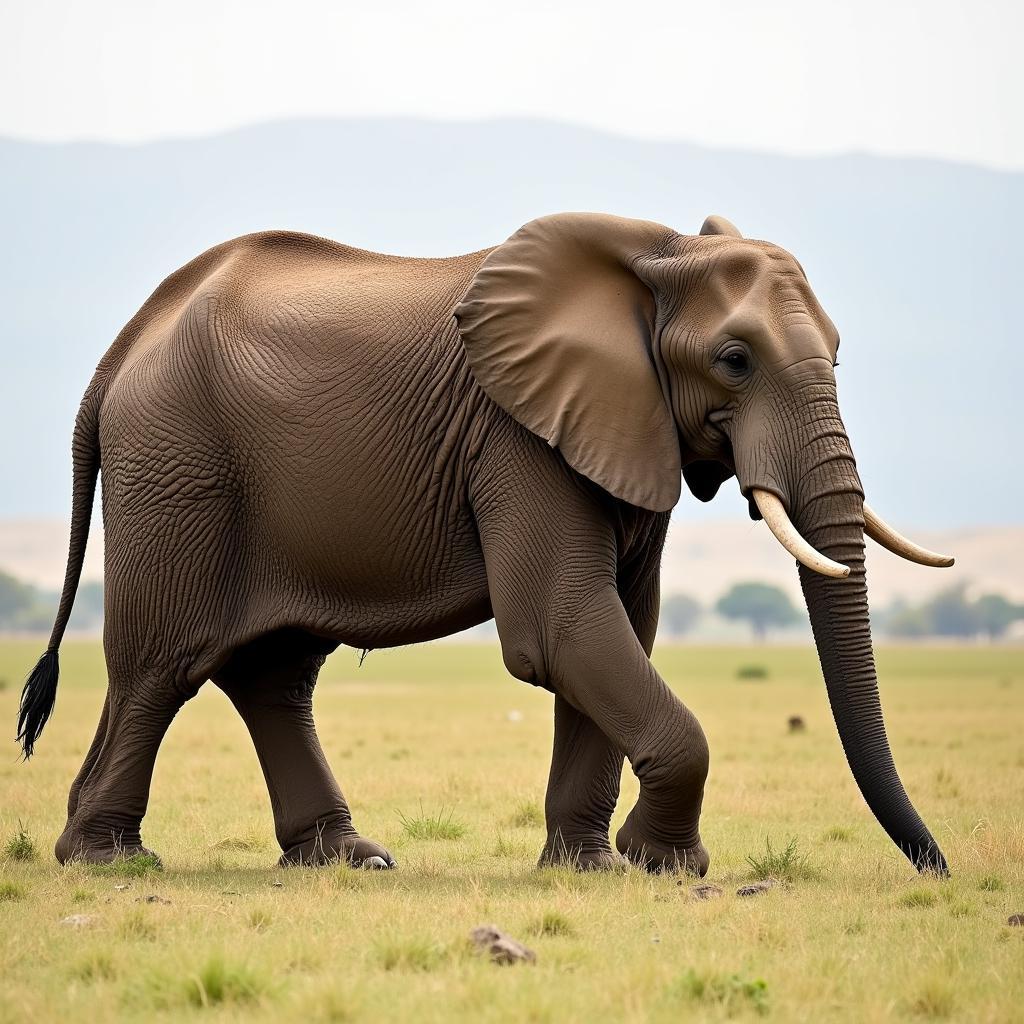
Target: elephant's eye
(736, 361)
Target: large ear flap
(557, 327)
(715, 225)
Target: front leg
(563, 625)
(586, 767)
(582, 790)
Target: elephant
(306, 445)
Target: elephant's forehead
(775, 310)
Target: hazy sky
(936, 78)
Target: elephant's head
(639, 353)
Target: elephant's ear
(715, 225)
(557, 327)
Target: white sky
(936, 78)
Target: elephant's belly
(375, 585)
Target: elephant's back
(312, 399)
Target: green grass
(21, 846)
(855, 934)
(432, 826)
(786, 865)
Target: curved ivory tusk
(881, 533)
(787, 535)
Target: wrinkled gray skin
(303, 447)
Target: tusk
(880, 532)
(787, 535)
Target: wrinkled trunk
(826, 504)
(828, 511)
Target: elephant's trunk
(827, 505)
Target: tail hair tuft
(37, 700)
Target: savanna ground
(444, 759)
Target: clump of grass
(837, 834)
(508, 848)
(11, 892)
(135, 866)
(991, 883)
(259, 919)
(732, 992)
(97, 965)
(21, 846)
(410, 954)
(82, 896)
(439, 826)
(552, 923)
(136, 926)
(935, 999)
(752, 672)
(786, 865)
(945, 784)
(219, 982)
(527, 814)
(918, 897)
(247, 843)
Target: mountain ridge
(914, 258)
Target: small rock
(501, 948)
(230, 892)
(705, 892)
(277, 885)
(153, 898)
(1015, 920)
(796, 724)
(755, 888)
(122, 888)
(78, 920)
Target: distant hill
(701, 558)
(917, 261)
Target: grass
(21, 846)
(786, 865)
(855, 934)
(138, 865)
(438, 826)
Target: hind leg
(271, 682)
(109, 797)
(90, 759)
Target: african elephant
(306, 445)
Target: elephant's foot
(97, 846)
(332, 847)
(591, 853)
(635, 842)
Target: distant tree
(88, 610)
(16, 598)
(949, 613)
(760, 604)
(995, 614)
(905, 621)
(679, 614)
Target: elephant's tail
(40, 692)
